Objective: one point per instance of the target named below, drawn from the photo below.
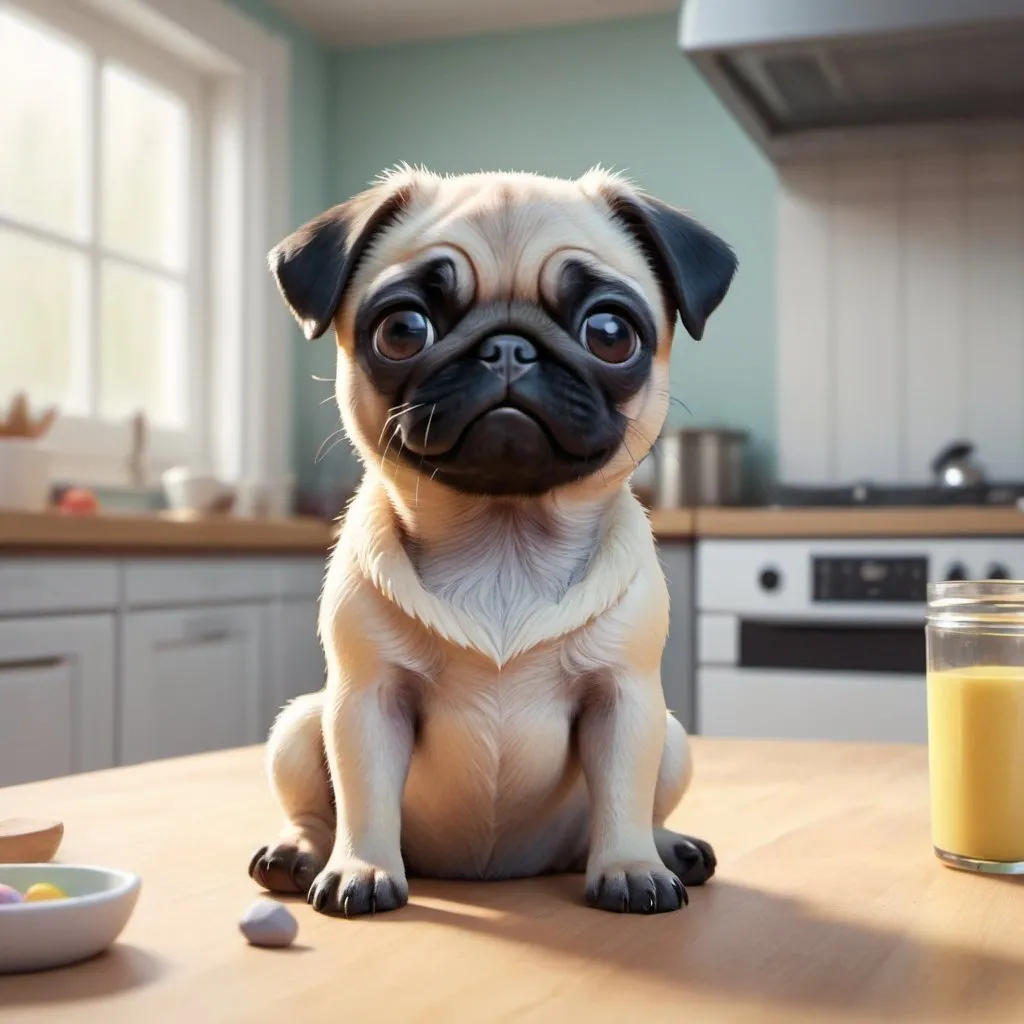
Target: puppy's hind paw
(284, 868)
(356, 890)
(636, 888)
(692, 859)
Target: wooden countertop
(23, 532)
(960, 521)
(828, 906)
(109, 532)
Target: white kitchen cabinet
(296, 662)
(170, 582)
(191, 680)
(56, 696)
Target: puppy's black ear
(313, 265)
(695, 266)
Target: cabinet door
(191, 681)
(678, 661)
(56, 696)
(297, 661)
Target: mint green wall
(557, 101)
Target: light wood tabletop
(828, 906)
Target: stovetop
(869, 494)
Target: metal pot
(955, 467)
(702, 466)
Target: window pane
(43, 117)
(144, 356)
(145, 168)
(42, 306)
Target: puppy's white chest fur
(498, 567)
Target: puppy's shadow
(754, 945)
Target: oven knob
(997, 572)
(957, 571)
(770, 579)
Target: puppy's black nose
(508, 355)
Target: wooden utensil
(18, 419)
(19, 422)
(29, 840)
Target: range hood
(796, 71)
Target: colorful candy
(43, 891)
(9, 895)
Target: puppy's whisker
(426, 439)
(383, 458)
(326, 444)
(629, 453)
(333, 446)
(679, 401)
(647, 442)
(395, 412)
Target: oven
(824, 639)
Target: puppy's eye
(403, 334)
(610, 337)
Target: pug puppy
(494, 612)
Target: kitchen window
(102, 238)
(142, 181)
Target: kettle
(955, 466)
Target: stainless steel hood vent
(792, 69)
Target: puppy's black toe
(637, 890)
(324, 892)
(356, 892)
(283, 868)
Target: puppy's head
(504, 334)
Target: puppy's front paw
(636, 887)
(285, 868)
(357, 889)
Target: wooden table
(828, 906)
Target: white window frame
(238, 328)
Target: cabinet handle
(206, 631)
(23, 663)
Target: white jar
(24, 474)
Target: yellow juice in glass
(976, 761)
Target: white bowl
(52, 933)
(190, 490)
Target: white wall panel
(901, 305)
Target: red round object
(77, 501)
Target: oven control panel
(881, 579)
(865, 578)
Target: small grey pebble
(267, 923)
